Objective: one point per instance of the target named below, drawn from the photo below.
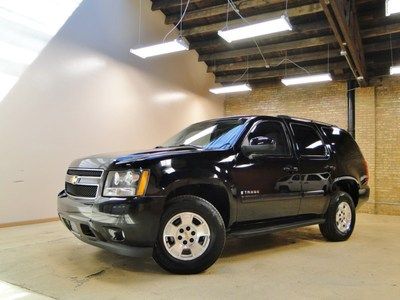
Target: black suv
(237, 176)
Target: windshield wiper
(189, 145)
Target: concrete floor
(47, 259)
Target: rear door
(315, 163)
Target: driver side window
(268, 132)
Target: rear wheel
(340, 218)
(191, 236)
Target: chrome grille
(83, 183)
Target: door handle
(290, 169)
(330, 168)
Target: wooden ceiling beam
(165, 4)
(342, 16)
(292, 12)
(219, 10)
(298, 58)
(380, 31)
(298, 44)
(273, 61)
(282, 72)
(306, 28)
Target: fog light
(116, 234)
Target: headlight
(126, 183)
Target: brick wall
(388, 146)
(365, 136)
(377, 125)
(323, 102)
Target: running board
(268, 229)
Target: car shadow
(286, 239)
(264, 244)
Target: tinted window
(272, 130)
(216, 134)
(296, 177)
(313, 178)
(307, 140)
(341, 141)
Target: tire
(189, 247)
(284, 189)
(340, 218)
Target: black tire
(212, 217)
(331, 228)
(284, 189)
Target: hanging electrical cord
(178, 23)
(236, 10)
(140, 22)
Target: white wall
(86, 94)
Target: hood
(102, 161)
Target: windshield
(217, 134)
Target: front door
(315, 168)
(259, 178)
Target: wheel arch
(214, 192)
(349, 185)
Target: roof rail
(304, 120)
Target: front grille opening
(85, 173)
(86, 230)
(86, 191)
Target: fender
(213, 180)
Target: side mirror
(260, 145)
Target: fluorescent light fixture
(392, 7)
(307, 79)
(231, 89)
(263, 28)
(163, 48)
(394, 70)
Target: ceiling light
(231, 89)
(163, 48)
(392, 7)
(263, 28)
(307, 79)
(394, 70)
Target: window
(272, 130)
(219, 134)
(341, 141)
(308, 142)
(313, 177)
(296, 177)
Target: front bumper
(124, 226)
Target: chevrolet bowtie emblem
(75, 179)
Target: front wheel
(191, 236)
(340, 218)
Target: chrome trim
(85, 181)
(345, 178)
(86, 169)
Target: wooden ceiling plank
(219, 10)
(297, 29)
(165, 4)
(292, 12)
(282, 73)
(304, 43)
(297, 58)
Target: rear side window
(341, 141)
(314, 178)
(308, 141)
